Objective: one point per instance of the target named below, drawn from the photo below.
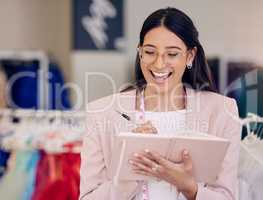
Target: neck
(164, 101)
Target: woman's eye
(173, 54)
(149, 52)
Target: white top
(166, 123)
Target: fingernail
(136, 155)
(185, 153)
(131, 162)
(147, 151)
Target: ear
(191, 56)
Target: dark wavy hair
(199, 76)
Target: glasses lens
(172, 57)
(148, 55)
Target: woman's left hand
(178, 174)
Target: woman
(173, 83)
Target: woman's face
(164, 57)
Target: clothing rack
(51, 130)
(41, 113)
(252, 139)
(42, 57)
(250, 161)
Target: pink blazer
(206, 112)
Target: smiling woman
(172, 32)
(173, 84)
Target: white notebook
(207, 153)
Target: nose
(159, 62)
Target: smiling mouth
(161, 76)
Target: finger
(152, 173)
(158, 158)
(151, 130)
(141, 172)
(145, 172)
(140, 166)
(145, 130)
(149, 124)
(188, 164)
(145, 160)
(146, 127)
(153, 168)
(139, 130)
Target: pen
(127, 117)
(124, 115)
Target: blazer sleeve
(94, 183)
(226, 186)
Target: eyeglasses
(149, 55)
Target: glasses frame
(140, 48)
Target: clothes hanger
(34, 126)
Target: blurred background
(57, 55)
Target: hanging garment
(3, 161)
(31, 175)
(59, 97)
(27, 80)
(24, 78)
(57, 177)
(4, 155)
(251, 169)
(14, 183)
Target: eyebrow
(168, 47)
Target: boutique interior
(52, 63)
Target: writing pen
(127, 117)
(124, 115)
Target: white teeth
(160, 75)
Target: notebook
(207, 153)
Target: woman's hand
(178, 174)
(145, 128)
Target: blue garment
(4, 155)
(3, 161)
(24, 90)
(14, 183)
(31, 175)
(58, 99)
(24, 79)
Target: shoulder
(210, 104)
(217, 101)
(219, 113)
(220, 108)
